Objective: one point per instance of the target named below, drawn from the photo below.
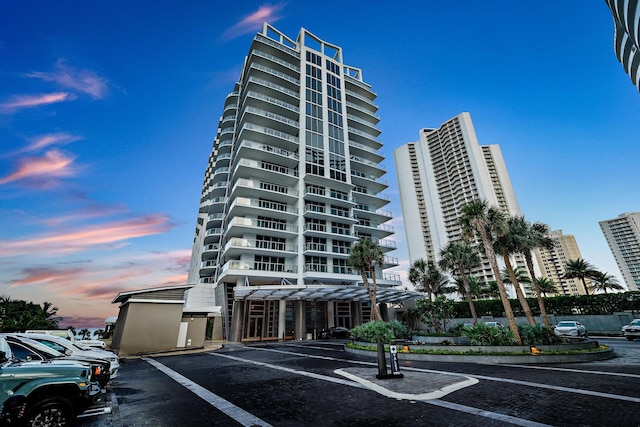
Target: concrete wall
(147, 327)
(196, 330)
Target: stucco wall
(150, 327)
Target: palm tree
(85, 333)
(489, 290)
(459, 258)
(365, 255)
(545, 285)
(530, 237)
(437, 281)
(481, 220)
(98, 333)
(579, 269)
(603, 281)
(418, 273)
(49, 312)
(506, 243)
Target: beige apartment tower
(623, 237)
(553, 262)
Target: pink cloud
(28, 101)
(85, 81)
(101, 235)
(253, 22)
(54, 164)
(88, 289)
(44, 141)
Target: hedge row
(560, 306)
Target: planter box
(441, 340)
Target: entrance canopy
(320, 292)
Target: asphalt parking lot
(316, 383)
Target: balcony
(238, 246)
(243, 206)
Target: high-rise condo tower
(293, 180)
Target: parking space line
(240, 415)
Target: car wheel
(56, 412)
(630, 338)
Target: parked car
(27, 350)
(68, 348)
(67, 334)
(632, 330)
(336, 332)
(570, 328)
(43, 393)
(494, 324)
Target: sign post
(395, 365)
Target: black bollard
(382, 362)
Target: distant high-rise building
(623, 237)
(293, 180)
(552, 263)
(440, 173)
(626, 20)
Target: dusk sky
(108, 112)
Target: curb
(495, 359)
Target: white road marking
(440, 403)
(483, 377)
(240, 415)
(579, 371)
(408, 396)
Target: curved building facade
(626, 19)
(293, 180)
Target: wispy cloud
(113, 234)
(29, 101)
(105, 280)
(43, 141)
(90, 212)
(253, 22)
(84, 81)
(43, 171)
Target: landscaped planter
(495, 354)
(440, 340)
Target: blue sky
(108, 111)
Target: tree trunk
(543, 310)
(584, 284)
(503, 293)
(372, 271)
(467, 289)
(514, 280)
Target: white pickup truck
(66, 334)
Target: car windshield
(635, 322)
(5, 348)
(565, 324)
(43, 348)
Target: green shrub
(481, 334)
(376, 331)
(400, 330)
(537, 335)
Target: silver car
(66, 347)
(632, 330)
(570, 328)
